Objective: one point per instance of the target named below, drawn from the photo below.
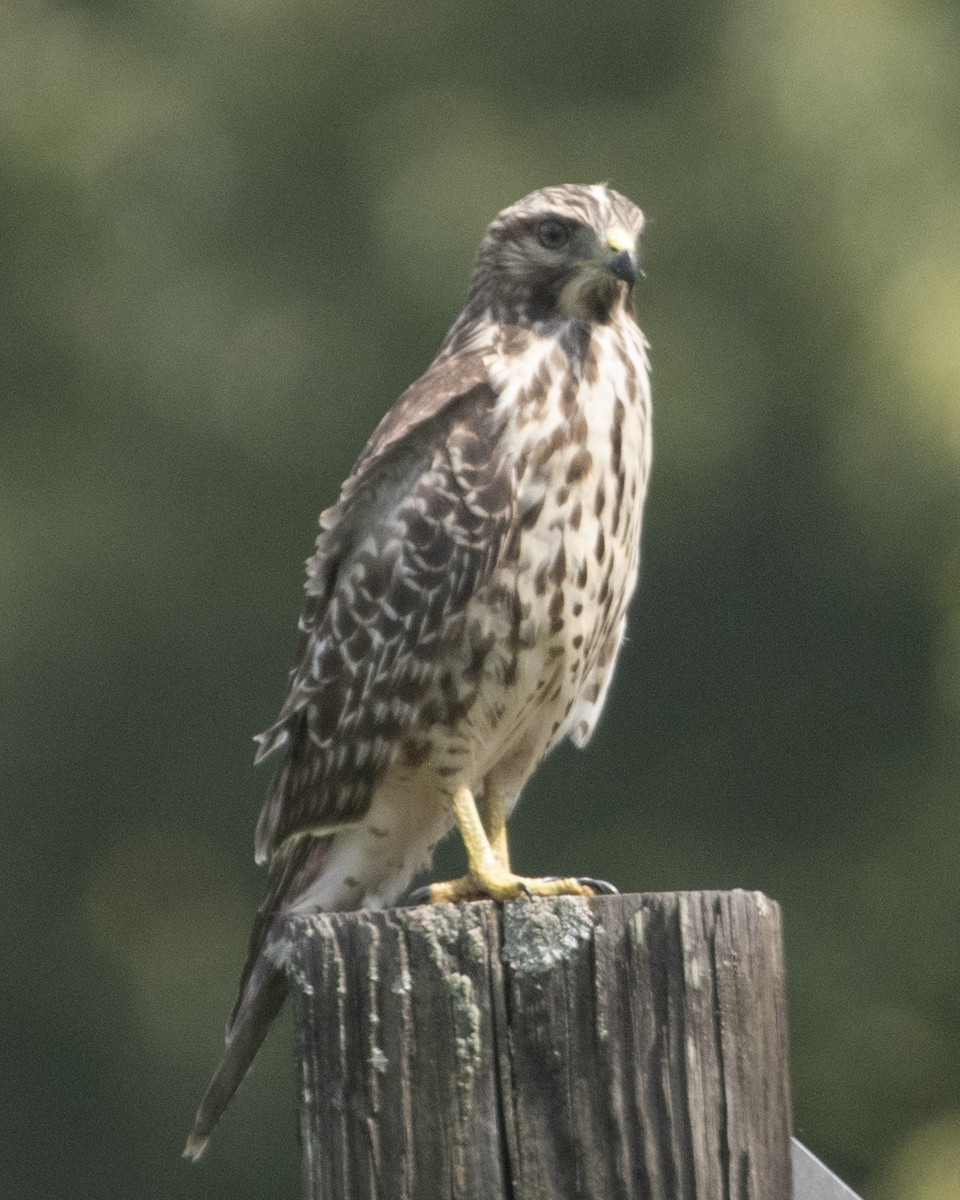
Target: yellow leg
(488, 864)
(495, 824)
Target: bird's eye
(552, 234)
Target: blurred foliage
(233, 231)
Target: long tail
(263, 985)
(262, 999)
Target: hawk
(468, 593)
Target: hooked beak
(624, 266)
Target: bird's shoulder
(449, 409)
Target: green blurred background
(232, 231)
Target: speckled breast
(554, 613)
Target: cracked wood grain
(622, 1048)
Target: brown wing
(418, 528)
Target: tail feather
(263, 984)
(262, 999)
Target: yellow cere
(619, 240)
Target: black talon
(420, 895)
(600, 886)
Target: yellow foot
(504, 885)
(489, 875)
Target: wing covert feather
(418, 528)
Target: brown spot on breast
(549, 445)
(591, 368)
(558, 569)
(376, 831)
(568, 397)
(540, 581)
(555, 611)
(600, 499)
(530, 516)
(541, 383)
(576, 515)
(616, 436)
(618, 501)
(601, 547)
(578, 428)
(577, 641)
(580, 464)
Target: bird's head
(559, 254)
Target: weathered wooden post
(622, 1048)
